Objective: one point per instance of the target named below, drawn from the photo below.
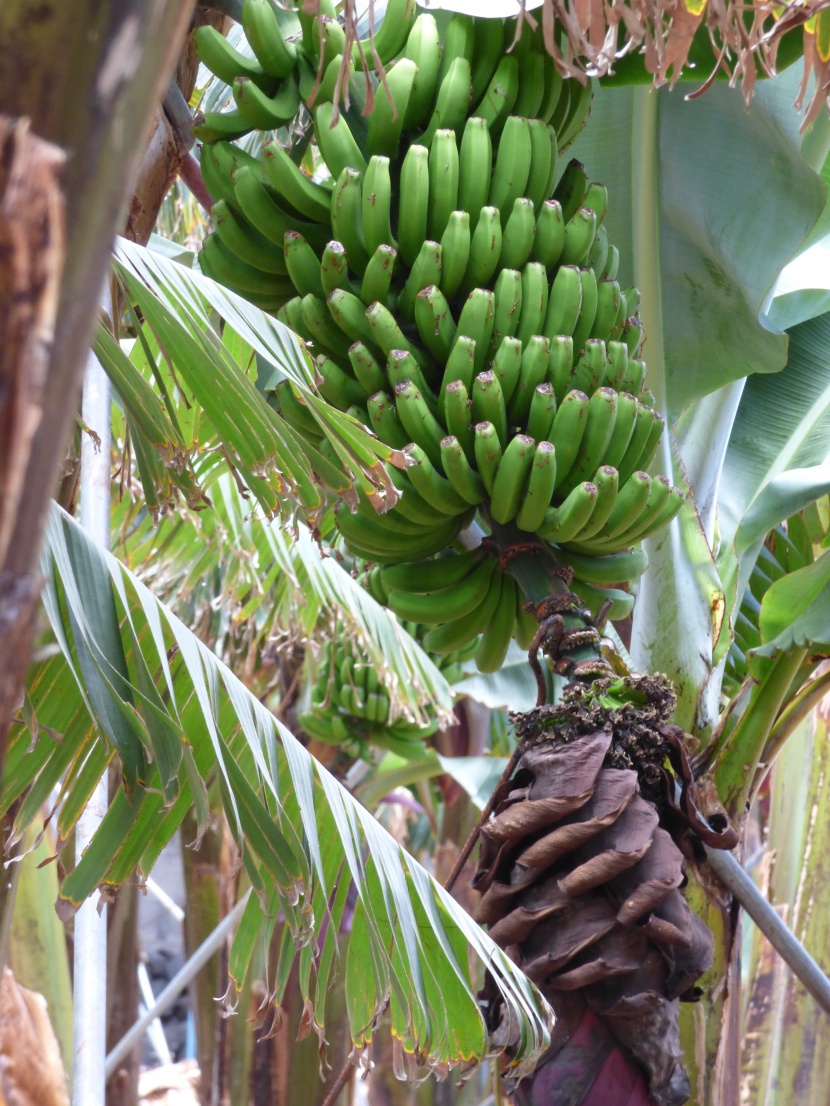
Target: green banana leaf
(707, 203)
(796, 609)
(183, 718)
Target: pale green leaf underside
(299, 831)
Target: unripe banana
(612, 264)
(596, 200)
(614, 568)
(617, 366)
(609, 299)
(458, 417)
(572, 189)
(411, 504)
(495, 640)
(507, 366)
(589, 370)
(452, 101)
(622, 603)
(226, 62)
(455, 252)
(561, 365)
(401, 366)
(563, 522)
(460, 632)
(542, 153)
(632, 335)
(634, 376)
(423, 46)
(290, 182)
(532, 87)
(487, 52)
(648, 429)
(474, 168)
(488, 404)
(519, 235)
(431, 485)
(564, 303)
(507, 307)
(587, 309)
(623, 430)
(347, 218)
(512, 168)
(460, 366)
(488, 452)
(218, 262)
(260, 208)
(392, 35)
(550, 235)
(580, 231)
(511, 479)
(337, 387)
(245, 242)
(383, 416)
(540, 484)
(386, 119)
(426, 270)
(599, 426)
(336, 143)
(485, 250)
(535, 357)
(599, 252)
(476, 321)
(465, 481)
(377, 277)
(419, 422)
(350, 315)
(501, 94)
(324, 331)
(388, 336)
(443, 181)
(606, 480)
(435, 322)
(632, 499)
(376, 204)
(294, 411)
(434, 575)
(459, 42)
(566, 433)
(334, 267)
(303, 265)
(458, 601)
(414, 203)
(535, 290)
(542, 413)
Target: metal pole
(732, 875)
(90, 965)
(176, 985)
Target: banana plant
(205, 403)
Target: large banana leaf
(264, 582)
(194, 390)
(131, 678)
(707, 202)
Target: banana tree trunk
(86, 76)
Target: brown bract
(580, 875)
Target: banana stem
(736, 767)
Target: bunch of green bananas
(455, 301)
(350, 705)
(467, 602)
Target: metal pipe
(90, 953)
(789, 948)
(175, 987)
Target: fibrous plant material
(581, 871)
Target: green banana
(542, 413)
(463, 478)
(623, 430)
(543, 152)
(599, 426)
(507, 366)
(334, 267)
(435, 322)
(245, 242)
(488, 451)
(459, 42)
(346, 218)
(388, 336)
(485, 250)
(495, 640)
(460, 632)
(267, 112)
(411, 504)
(653, 511)
(455, 252)
(369, 373)
(376, 204)
(507, 307)
(426, 270)
(550, 235)
(225, 62)
(331, 38)
(303, 265)
(392, 35)
(265, 35)
(336, 143)
(443, 181)
(606, 480)
(609, 298)
(458, 417)
(580, 232)
(571, 189)
(552, 92)
(611, 266)
(224, 159)
(475, 163)
(386, 120)
(372, 542)
(349, 313)
(446, 605)
(222, 126)
(563, 522)
(587, 310)
(401, 366)
(487, 52)
(567, 431)
(423, 47)
(291, 315)
(476, 321)
(535, 357)
(488, 403)
(414, 202)
(622, 602)
(501, 94)
(539, 491)
(648, 430)
(617, 366)
(614, 568)
(431, 485)
(598, 256)
(259, 207)
(561, 365)
(569, 125)
(535, 290)
(564, 303)
(433, 575)
(634, 376)
(460, 366)
(294, 410)
(337, 387)
(452, 101)
(512, 167)
(419, 422)
(589, 370)
(519, 235)
(218, 262)
(511, 478)
(532, 87)
(324, 331)
(384, 420)
(632, 500)
(632, 335)
(377, 276)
